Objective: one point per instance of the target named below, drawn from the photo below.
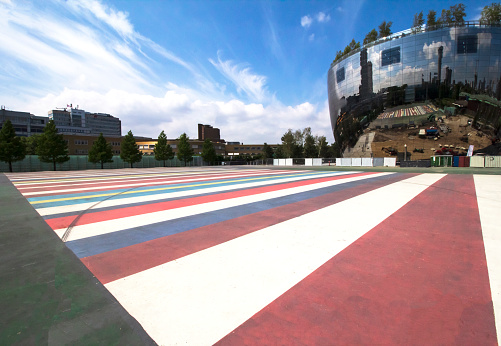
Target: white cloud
(431, 50)
(323, 18)
(253, 85)
(311, 37)
(117, 20)
(89, 54)
(320, 17)
(306, 21)
(180, 111)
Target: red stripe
(63, 222)
(113, 265)
(418, 277)
(107, 185)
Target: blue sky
(251, 68)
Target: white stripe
(488, 188)
(114, 225)
(139, 199)
(200, 298)
(85, 186)
(99, 179)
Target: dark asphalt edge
(47, 295)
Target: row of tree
(454, 15)
(373, 35)
(301, 143)
(51, 147)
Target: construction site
(403, 134)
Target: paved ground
(258, 256)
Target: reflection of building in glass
(412, 67)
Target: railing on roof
(414, 31)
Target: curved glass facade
(413, 67)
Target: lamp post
(405, 155)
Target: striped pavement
(201, 256)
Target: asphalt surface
(47, 296)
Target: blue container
(455, 161)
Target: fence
(31, 163)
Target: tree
(335, 150)
(288, 144)
(418, 20)
(101, 151)
(12, 149)
(491, 14)
(162, 150)
(339, 55)
(31, 144)
(458, 13)
(323, 148)
(354, 45)
(51, 146)
(209, 152)
(431, 19)
(370, 37)
(267, 151)
(184, 151)
(385, 29)
(129, 150)
(310, 149)
(279, 153)
(454, 15)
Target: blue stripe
(175, 188)
(116, 240)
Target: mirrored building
(415, 65)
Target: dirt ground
(458, 136)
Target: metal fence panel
(31, 163)
(367, 162)
(356, 161)
(493, 161)
(477, 161)
(390, 161)
(378, 162)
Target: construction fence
(31, 163)
(434, 161)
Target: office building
(24, 123)
(77, 121)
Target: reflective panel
(413, 68)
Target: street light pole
(405, 155)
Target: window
(81, 142)
(390, 56)
(467, 44)
(340, 75)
